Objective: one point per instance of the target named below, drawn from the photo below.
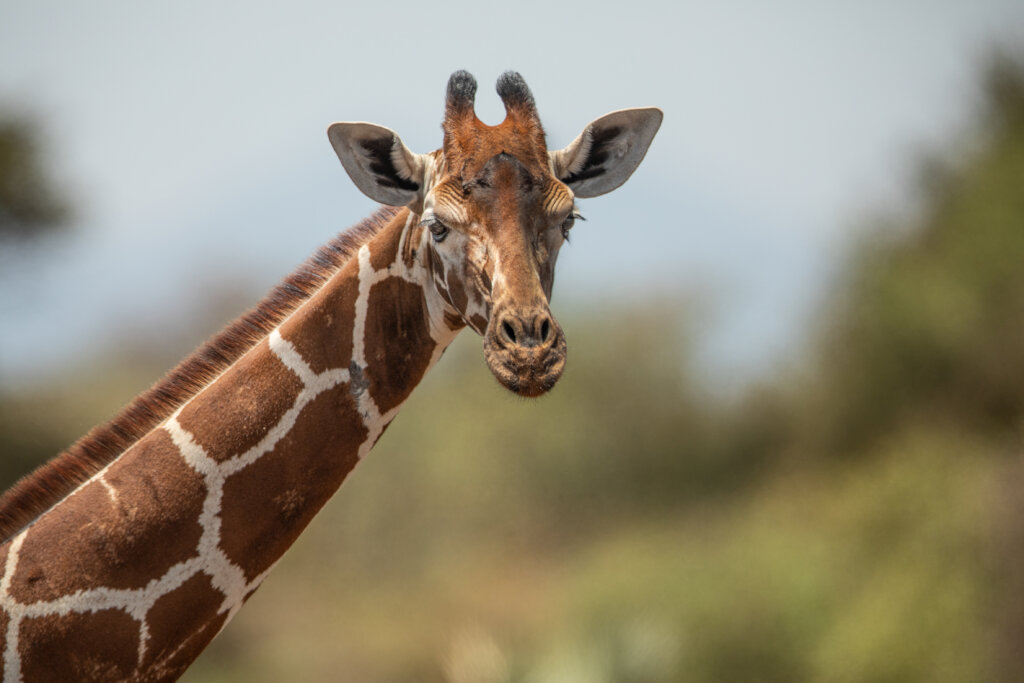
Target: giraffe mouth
(527, 370)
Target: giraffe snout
(525, 350)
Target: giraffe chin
(527, 372)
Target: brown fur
(41, 489)
(99, 653)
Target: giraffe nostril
(509, 331)
(545, 329)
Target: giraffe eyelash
(569, 221)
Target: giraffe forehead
(504, 185)
(472, 147)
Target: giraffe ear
(378, 162)
(607, 151)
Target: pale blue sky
(192, 138)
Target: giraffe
(125, 555)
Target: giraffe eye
(570, 221)
(438, 230)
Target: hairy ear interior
(607, 151)
(378, 162)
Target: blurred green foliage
(929, 322)
(859, 519)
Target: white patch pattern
(226, 576)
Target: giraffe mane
(52, 481)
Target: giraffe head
(494, 207)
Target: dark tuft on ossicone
(513, 90)
(461, 89)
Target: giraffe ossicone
(124, 556)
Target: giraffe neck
(131, 575)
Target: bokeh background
(788, 442)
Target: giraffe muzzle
(525, 351)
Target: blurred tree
(30, 205)
(29, 202)
(929, 322)
(25, 440)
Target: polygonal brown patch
(96, 646)
(92, 540)
(398, 342)
(457, 292)
(182, 623)
(384, 249)
(268, 504)
(409, 251)
(234, 413)
(173, 665)
(479, 322)
(321, 331)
